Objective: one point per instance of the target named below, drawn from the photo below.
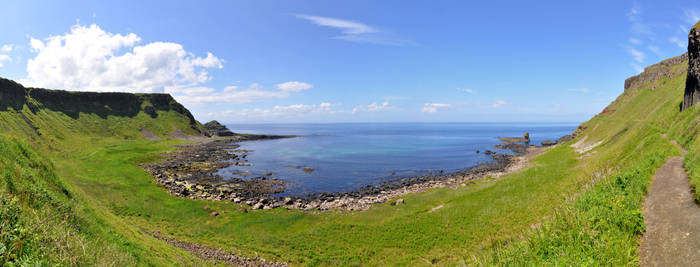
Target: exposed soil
(672, 219)
(216, 254)
(149, 135)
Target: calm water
(346, 156)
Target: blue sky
(348, 61)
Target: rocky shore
(191, 172)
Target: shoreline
(191, 171)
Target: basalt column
(692, 83)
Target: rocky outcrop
(218, 129)
(692, 82)
(656, 72)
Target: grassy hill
(72, 187)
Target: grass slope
(566, 209)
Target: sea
(347, 156)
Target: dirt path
(672, 219)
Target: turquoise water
(347, 156)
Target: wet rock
(565, 138)
(548, 143)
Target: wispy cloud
(358, 32)
(634, 15)
(579, 90)
(636, 54)
(469, 91)
(499, 103)
(691, 16)
(678, 42)
(434, 107)
(655, 49)
(637, 67)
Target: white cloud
(434, 107)
(4, 58)
(294, 86)
(6, 48)
(230, 94)
(499, 103)
(579, 90)
(470, 91)
(278, 111)
(356, 31)
(636, 54)
(231, 88)
(90, 59)
(373, 107)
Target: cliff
(692, 82)
(85, 111)
(668, 68)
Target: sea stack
(692, 83)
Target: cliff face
(663, 69)
(15, 96)
(692, 82)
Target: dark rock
(548, 143)
(565, 138)
(308, 169)
(656, 72)
(217, 129)
(692, 82)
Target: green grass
(566, 209)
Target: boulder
(214, 214)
